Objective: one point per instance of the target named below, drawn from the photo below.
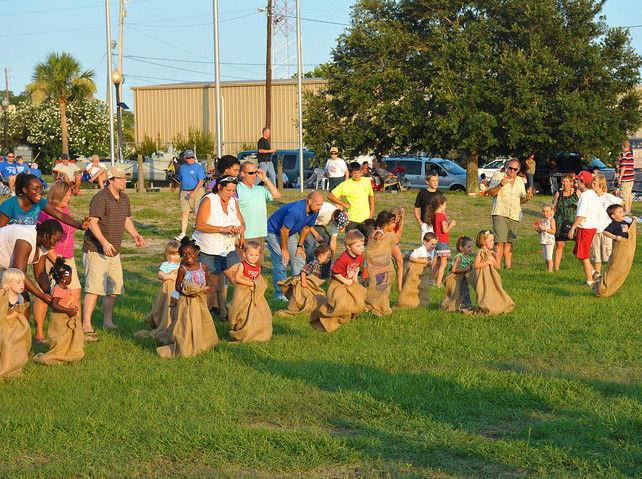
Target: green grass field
(550, 390)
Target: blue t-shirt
(7, 169)
(21, 168)
(17, 216)
(35, 172)
(190, 175)
(293, 216)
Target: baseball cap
(334, 149)
(188, 154)
(584, 176)
(115, 172)
(64, 156)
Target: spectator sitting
(69, 172)
(21, 166)
(398, 169)
(366, 170)
(95, 172)
(386, 178)
(35, 171)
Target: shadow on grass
(521, 414)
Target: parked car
(451, 175)
(489, 169)
(290, 159)
(551, 168)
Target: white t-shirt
(422, 252)
(9, 235)
(590, 208)
(606, 200)
(336, 168)
(219, 244)
(69, 169)
(94, 169)
(325, 213)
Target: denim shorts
(442, 249)
(217, 264)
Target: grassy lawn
(550, 390)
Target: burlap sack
(66, 339)
(343, 304)
(249, 313)
(491, 297)
(381, 273)
(415, 290)
(619, 265)
(301, 300)
(194, 331)
(457, 294)
(15, 338)
(162, 314)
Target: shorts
(75, 282)
(103, 274)
(547, 251)
(626, 190)
(217, 264)
(583, 241)
(505, 229)
(601, 248)
(190, 204)
(442, 249)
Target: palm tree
(60, 78)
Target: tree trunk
(62, 106)
(279, 172)
(472, 174)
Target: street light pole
(299, 68)
(110, 94)
(117, 78)
(217, 85)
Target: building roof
(236, 83)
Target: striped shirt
(627, 166)
(112, 214)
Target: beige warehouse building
(166, 110)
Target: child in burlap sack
(345, 299)
(304, 291)
(381, 248)
(249, 313)
(491, 297)
(416, 275)
(159, 318)
(66, 336)
(457, 294)
(193, 331)
(15, 333)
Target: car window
(435, 168)
(452, 167)
(597, 163)
(289, 162)
(412, 167)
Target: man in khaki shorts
(192, 177)
(109, 218)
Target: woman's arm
(553, 227)
(203, 214)
(4, 220)
(63, 217)
(555, 198)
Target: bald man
(285, 247)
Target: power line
(208, 62)
(166, 43)
(147, 25)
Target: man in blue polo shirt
(192, 177)
(8, 170)
(282, 227)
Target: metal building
(166, 110)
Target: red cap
(585, 176)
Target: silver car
(451, 175)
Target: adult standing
(265, 152)
(335, 169)
(565, 206)
(218, 223)
(69, 172)
(359, 198)
(252, 200)
(59, 197)
(626, 176)
(96, 172)
(191, 177)
(508, 193)
(283, 225)
(423, 200)
(109, 218)
(531, 166)
(25, 207)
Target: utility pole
(217, 85)
(5, 105)
(268, 69)
(110, 93)
(119, 85)
(299, 72)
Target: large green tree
(61, 79)
(486, 77)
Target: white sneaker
(180, 237)
(589, 283)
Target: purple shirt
(66, 246)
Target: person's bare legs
(12, 183)
(221, 294)
(212, 296)
(101, 180)
(77, 181)
(89, 304)
(184, 221)
(559, 248)
(499, 253)
(588, 269)
(39, 313)
(508, 255)
(442, 261)
(108, 311)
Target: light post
(117, 78)
(5, 107)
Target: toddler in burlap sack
(15, 340)
(416, 276)
(491, 297)
(457, 294)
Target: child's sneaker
(597, 277)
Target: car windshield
(451, 167)
(597, 163)
(494, 164)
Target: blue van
(290, 159)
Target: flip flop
(90, 339)
(90, 333)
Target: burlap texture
(343, 304)
(301, 300)
(15, 338)
(457, 294)
(491, 297)
(162, 315)
(66, 339)
(619, 265)
(194, 331)
(249, 313)
(415, 290)
(380, 273)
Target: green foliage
(491, 78)
(202, 142)
(149, 145)
(128, 126)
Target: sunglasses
(228, 179)
(511, 168)
(250, 172)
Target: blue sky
(167, 41)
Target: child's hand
(173, 302)
(453, 223)
(625, 229)
(207, 289)
(618, 238)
